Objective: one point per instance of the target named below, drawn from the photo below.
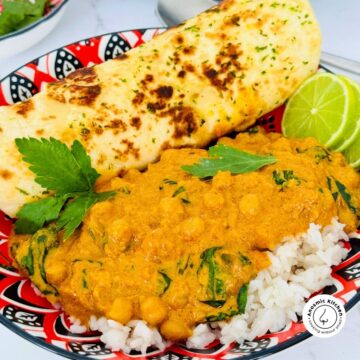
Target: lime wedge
(352, 130)
(352, 154)
(319, 109)
(352, 148)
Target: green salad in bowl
(16, 14)
(23, 23)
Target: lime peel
(321, 108)
(354, 130)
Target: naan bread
(216, 73)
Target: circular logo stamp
(324, 316)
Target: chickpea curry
(176, 250)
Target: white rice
(301, 265)
(76, 327)
(136, 335)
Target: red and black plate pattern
(32, 317)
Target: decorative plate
(33, 318)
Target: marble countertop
(85, 18)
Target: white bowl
(22, 39)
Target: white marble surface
(340, 22)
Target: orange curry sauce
(175, 250)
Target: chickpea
(169, 205)
(213, 200)
(175, 330)
(100, 297)
(102, 209)
(193, 226)
(121, 311)
(120, 234)
(56, 271)
(153, 310)
(178, 299)
(249, 204)
(222, 179)
(98, 215)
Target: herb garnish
(67, 173)
(215, 286)
(165, 282)
(226, 158)
(241, 304)
(320, 153)
(242, 298)
(253, 130)
(37, 250)
(169, 182)
(178, 191)
(125, 190)
(214, 303)
(283, 177)
(244, 260)
(342, 191)
(84, 279)
(345, 195)
(185, 201)
(222, 316)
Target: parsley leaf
(226, 158)
(34, 215)
(84, 162)
(68, 173)
(56, 167)
(75, 211)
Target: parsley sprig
(227, 158)
(68, 174)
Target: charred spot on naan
(158, 98)
(138, 98)
(183, 120)
(226, 69)
(186, 68)
(81, 87)
(54, 91)
(84, 95)
(6, 174)
(135, 122)
(128, 150)
(147, 79)
(85, 75)
(121, 57)
(179, 39)
(23, 108)
(117, 125)
(164, 92)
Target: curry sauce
(176, 250)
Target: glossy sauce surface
(175, 250)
